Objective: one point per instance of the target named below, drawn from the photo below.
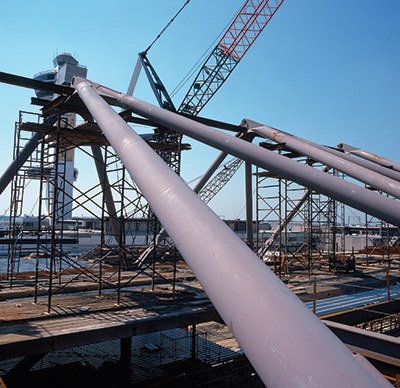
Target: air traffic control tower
(65, 67)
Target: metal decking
(347, 302)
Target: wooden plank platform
(81, 319)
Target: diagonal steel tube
(19, 161)
(388, 164)
(346, 192)
(287, 344)
(340, 162)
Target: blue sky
(327, 71)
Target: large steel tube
(210, 171)
(19, 161)
(287, 344)
(318, 153)
(389, 164)
(106, 187)
(380, 169)
(198, 186)
(346, 192)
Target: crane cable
(169, 23)
(199, 62)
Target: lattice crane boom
(241, 34)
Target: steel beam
(287, 344)
(379, 343)
(318, 153)
(346, 192)
(31, 83)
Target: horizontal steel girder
(31, 83)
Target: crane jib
(247, 25)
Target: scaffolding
(296, 225)
(120, 225)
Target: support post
(54, 216)
(125, 359)
(249, 205)
(315, 295)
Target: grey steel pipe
(369, 156)
(320, 154)
(19, 161)
(386, 172)
(287, 344)
(346, 192)
(199, 185)
(108, 197)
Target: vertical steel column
(39, 228)
(249, 204)
(285, 342)
(54, 215)
(125, 360)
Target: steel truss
(241, 34)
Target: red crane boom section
(246, 27)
